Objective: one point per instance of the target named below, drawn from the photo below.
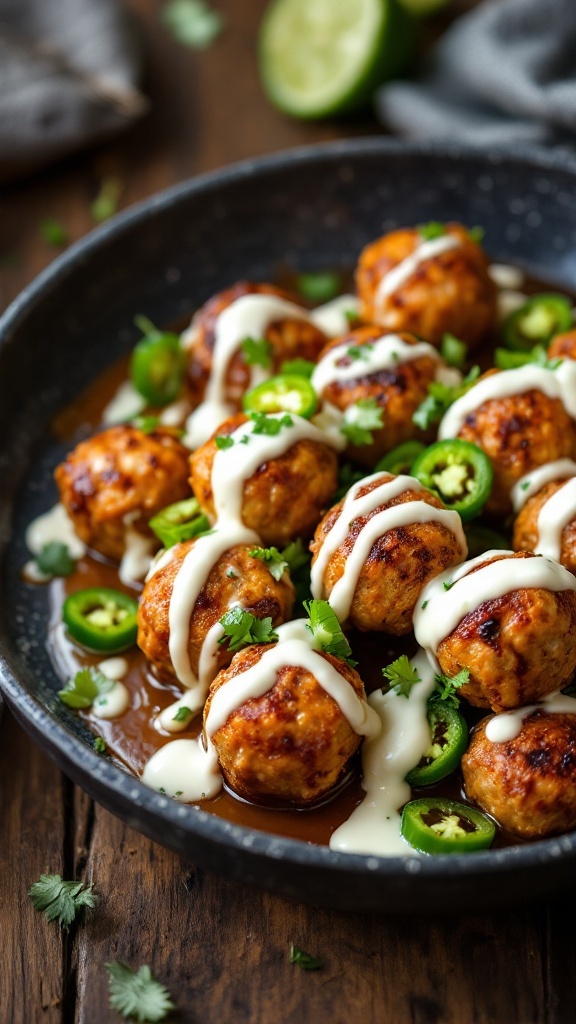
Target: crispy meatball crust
(118, 472)
(526, 534)
(292, 744)
(529, 783)
(253, 588)
(289, 338)
(398, 392)
(399, 565)
(518, 434)
(450, 292)
(517, 648)
(563, 346)
(286, 496)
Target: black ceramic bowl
(307, 209)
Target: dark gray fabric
(68, 74)
(504, 73)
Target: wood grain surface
(222, 950)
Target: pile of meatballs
(292, 745)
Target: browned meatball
(518, 434)
(400, 563)
(517, 648)
(285, 497)
(449, 292)
(528, 783)
(563, 346)
(398, 392)
(121, 473)
(290, 339)
(236, 579)
(526, 534)
(292, 744)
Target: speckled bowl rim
(115, 788)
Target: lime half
(323, 57)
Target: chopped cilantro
(273, 560)
(433, 229)
(137, 994)
(100, 745)
(525, 485)
(224, 441)
(183, 714)
(304, 960)
(401, 675)
(54, 233)
(85, 687)
(424, 605)
(360, 420)
(359, 351)
(448, 584)
(440, 397)
(192, 22)
(446, 686)
(270, 425)
(319, 287)
(453, 350)
(241, 628)
(327, 631)
(105, 205)
(55, 559)
(257, 352)
(59, 900)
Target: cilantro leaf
(147, 424)
(440, 397)
(298, 367)
(100, 745)
(85, 687)
(55, 559)
(446, 686)
(304, 960)
(453, 350)
(179, 522)
(192, 22)
(433, 229)
(105, 205)
(59, 900)
(224, 441)
(401, 675)
(327, 631)
(506, 360)
(359, 351)
(272, 558)
(476, 234)
(319, 287)
(241, 628)
(54, 233)
(269, 425)
(360, 420)
(137, 993)
(183, 714)
(257, 352)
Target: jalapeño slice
(400, 459)
(439, 825)
(537, 321)
(101, 619)
(158, 364)
(449, 741)
(288, 392)
(459, 473)
(179, 522)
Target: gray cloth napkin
(68, 74)
(504, 73)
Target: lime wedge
(324, 57)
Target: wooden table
(222, 950)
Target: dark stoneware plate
(308, 209)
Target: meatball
(398, 392)
(400, 562)
(518, 434)
(119, 478)
(292, 744)
(236, 579)
(448, 292)
(563, 346)
(517, 648)
(526, 531)
(290, 338)
(528, 783)
(285, 497)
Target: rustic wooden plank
(558, 959)
(33, 838)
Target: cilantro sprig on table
(61, 901)
(137, 994)
(304, 960)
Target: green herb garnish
(147, 424)
(446, 686)
(319, 287)
(55, 559)
(360, 421)
(273, 560)
(476, 234)
(441, 397)
(137, 993)
(242, 628)
(257, 352)
(224, 441)
(183, 714)
(433, 229)
(85, 687)
(454, 351)
(59, 900)
(100, 745)
(105, 205)
(54, 233)
(304, 960)
(327, 631)
(270, 425)
(401, 675)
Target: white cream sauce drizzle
(114, 668)
(247, 317)
(554, 516)
(355, 507)
(175, 414)
(559, 383)
(385, 353)
(534, 481)
(331, 318)
(439, 611)
(398, 275)
(126, 403)
(508, 725)
(506, 276)
(54, 525)
(194, 699)
(185, 770)
(117, 700)
(374, 826)
(138, 552)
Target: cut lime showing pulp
(323, 57)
